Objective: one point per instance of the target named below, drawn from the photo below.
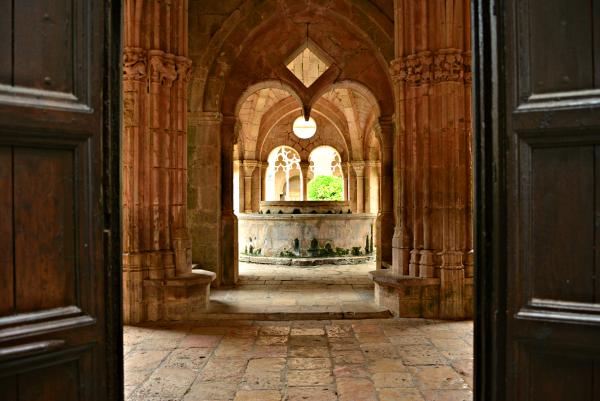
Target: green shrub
(325, 187)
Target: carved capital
(183, 66)
(359, 168)
(162, 68)
(134, 64)
(249, 166)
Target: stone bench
(179, 297)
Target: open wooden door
(538, 114)
(59, 201)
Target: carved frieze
(447, 65)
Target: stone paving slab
(309, 360)
(269, 292)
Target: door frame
(489, 148)
(111, 146)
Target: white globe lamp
(304, 129)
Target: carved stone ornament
(448, 65)
(134, 64)
(162, 68)
(183, 66)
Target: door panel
(44, 193)
(560, 188)
(6, 233)
(58, 220)
(540, 233)
(559, 376)
(560, 28)
(5, 45)
(44, 56)
(552, 136)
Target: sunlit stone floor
(346, 360)
(268, 292)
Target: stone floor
(286, 293)
(346, 360)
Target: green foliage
(326, 187)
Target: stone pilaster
(238, 171)
(204, 198)
(385, 219)
(228, 240)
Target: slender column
(263, 181)
(346, 166)
(359, 169)
(305, 168)
(134, 143)
(249, 166)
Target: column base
(416, 297)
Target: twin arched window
(284, 178)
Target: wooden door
(59, 257)
(539, 192)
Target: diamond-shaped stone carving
(307, 66)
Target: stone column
(346, 166)
(359, 169)
(156, 243)
(263, 181)
(305, 168)
(249, 166)
(432, 83)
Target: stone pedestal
(417, 297)
(178, 298)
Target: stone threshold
(307, 262)
(288, 316)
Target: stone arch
(277, 114)
(365, 22)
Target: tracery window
(284, 177)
